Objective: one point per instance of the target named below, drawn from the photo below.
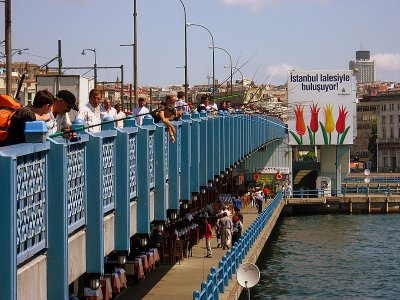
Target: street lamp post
(7, 41)
(95, 63)
(186, 50)
(130, 93)
(213, 52)
(230, 59)
(377, 156)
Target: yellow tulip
(329, 122)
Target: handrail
(219, 278)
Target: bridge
(67, 205)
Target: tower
(363, 67)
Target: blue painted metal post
(8, 223)
(217, 138)
(195, 154)
(186, 150)
(173, 196)
(223, 147)
(126, 144)
(146, 141)
(57, 252)
(203, 149)
(210, 148)
(95, 204)
(161, 139)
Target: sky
(265, 38)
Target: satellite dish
(367, 172)
(248, 275)
(367, 180)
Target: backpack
(8, 107)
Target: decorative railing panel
(76, 186)
(132, 167)
(108, 174)
(31, 204)
(151, 159)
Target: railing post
(8, 223)
(57, 252)
(196, 295)
(195, 154)
(161, 170)
(174, 161)
(217, 137)
(101, 157)
(203, 149)
(210, 148)
(145, 167)
(185, 157)
(126, 178)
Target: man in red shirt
(208, 236)
(266, 193)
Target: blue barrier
(361, 189)
(219, 278)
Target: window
(383, 120)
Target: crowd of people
(54, 110)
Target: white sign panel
(271, 170)
(320, 107)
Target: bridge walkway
(179, 281)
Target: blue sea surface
(331, 257)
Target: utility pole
(135, 87)
(7, 14)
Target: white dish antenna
(367, 179)
(367, 172)
(248, 275)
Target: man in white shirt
(181, 105)
(58, 116)
(107, 110)
(90, 113)
(140, 111)
(120, 115)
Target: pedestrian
(208, 236)
(266, 192)
(237, 229)
(58, 116)
(218, 230)
(259, 201)
(120, 115)
(165, 113)
(38, 111)
(226, 231)
(90, 113)
(107, 110)
(140, 111)
(181, 105)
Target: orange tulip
(300, 125)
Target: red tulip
(314, 118)
(341, 121)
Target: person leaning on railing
(165, 113)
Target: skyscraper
(363, 67)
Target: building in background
(363, 67)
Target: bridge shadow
(138, 289)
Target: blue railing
(53, 189)
(362, 189)
(218, 278)
(373, 179)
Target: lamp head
(83, 52)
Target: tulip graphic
(329, 124)
(300, 125)
(313, 128)
(341, 125)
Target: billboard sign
(320, 107)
